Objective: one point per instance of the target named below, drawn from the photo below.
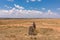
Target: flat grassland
(17, 29)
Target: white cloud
(58, 8)
(33, 0)
(19, 7)
(39, 0)
(17, 12)
(27, 1)
(6, 6)
(43, 8)
(50, 12)
(10, 0)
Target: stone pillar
(34, 25)
(32, 29)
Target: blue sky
(29, 8)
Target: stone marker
(32, 29)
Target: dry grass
(17, 29)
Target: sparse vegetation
(46, 31)
(17, 29)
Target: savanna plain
(17, 29)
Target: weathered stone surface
(32, 29)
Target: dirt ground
(17, 29)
